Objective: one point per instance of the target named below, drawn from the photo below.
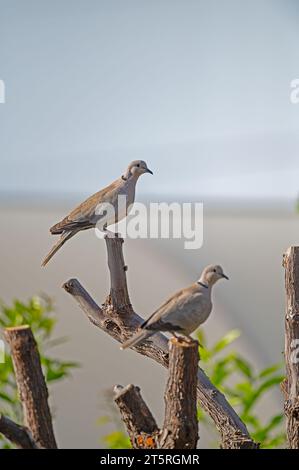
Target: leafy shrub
(242, 386)
(38, 314)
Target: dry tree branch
(18, 435)
(31, 385)
(117, 318)
(291, 384)
(137, 417)
(180, 428)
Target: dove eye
(138, 165)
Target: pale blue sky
(199, 89)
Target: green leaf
(244, 367)
(252, 421)
(274, 422)
(200, 415)
(201, 337)
(117, 440)
(270, 384)
(267, 385)
(221, 371)
(245, 387)
(270, 370)
(279, 441)
(4, 396)
(102, 420)
(204, 354)
(229, 338)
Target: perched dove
(92, 211)
(184, 312)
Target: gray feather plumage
(184, 311)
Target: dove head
(212, 274)
(137, 168)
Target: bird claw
(186, 339)
(109, 234)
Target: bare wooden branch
(118, 281)
(18, 435)
(291, 384)
(119, 327)
(180, 429)
(31, 385)
(238, 441)
(122, 323)
(139, 421)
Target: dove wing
(83, 215)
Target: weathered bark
(180, 429)
(291, 384)
(238, 441)
(118, 319)
(139, 421)
(18, 435)
(31, 385)
(117, 268)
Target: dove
(92, 211)
(184, 311)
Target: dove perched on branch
(92, 211)
(184, 312)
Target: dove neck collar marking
(128, 175)
(202, 284)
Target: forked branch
(118, 319)
(180, 429)
(139, 421)
(18, 435)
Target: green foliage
(38, 314)
(117, 437)
(243, 387)
(117, 440)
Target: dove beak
(225, 276)
(149, 171)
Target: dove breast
(183, 312)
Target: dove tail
(64, 237)
(136, 339)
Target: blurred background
(201, 91)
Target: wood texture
(291, 384)
(18, 435)
(137, 417)
(118, 319)
(31, 385)
(117, 268)
(180, 429)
